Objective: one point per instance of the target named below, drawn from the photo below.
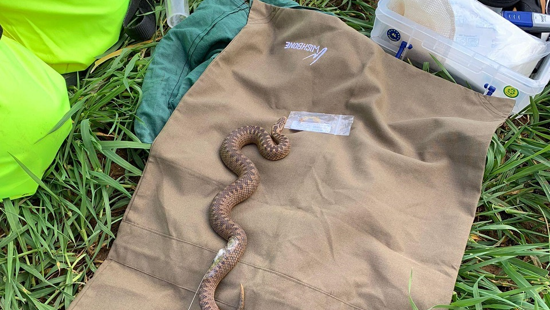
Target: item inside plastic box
(478, 28)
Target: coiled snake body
(273, 147)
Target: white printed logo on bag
(316, 50)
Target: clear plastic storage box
(404, 38)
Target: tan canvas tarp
(342, 221)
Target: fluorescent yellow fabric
(33, 98)
(65, 34)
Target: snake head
(279, 125)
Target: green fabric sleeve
(183, 54)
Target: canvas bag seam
(271, 271)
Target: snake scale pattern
(272, 146)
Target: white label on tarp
(320, 122)
(315, 127)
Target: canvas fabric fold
(343, 221)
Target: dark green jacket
(182, 56)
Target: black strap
(71, 78)
(529, 6)
(499, 3)
(144, 25)
(1, 31)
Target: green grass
(52, 243)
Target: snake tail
(272, 146)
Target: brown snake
(273, 147)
